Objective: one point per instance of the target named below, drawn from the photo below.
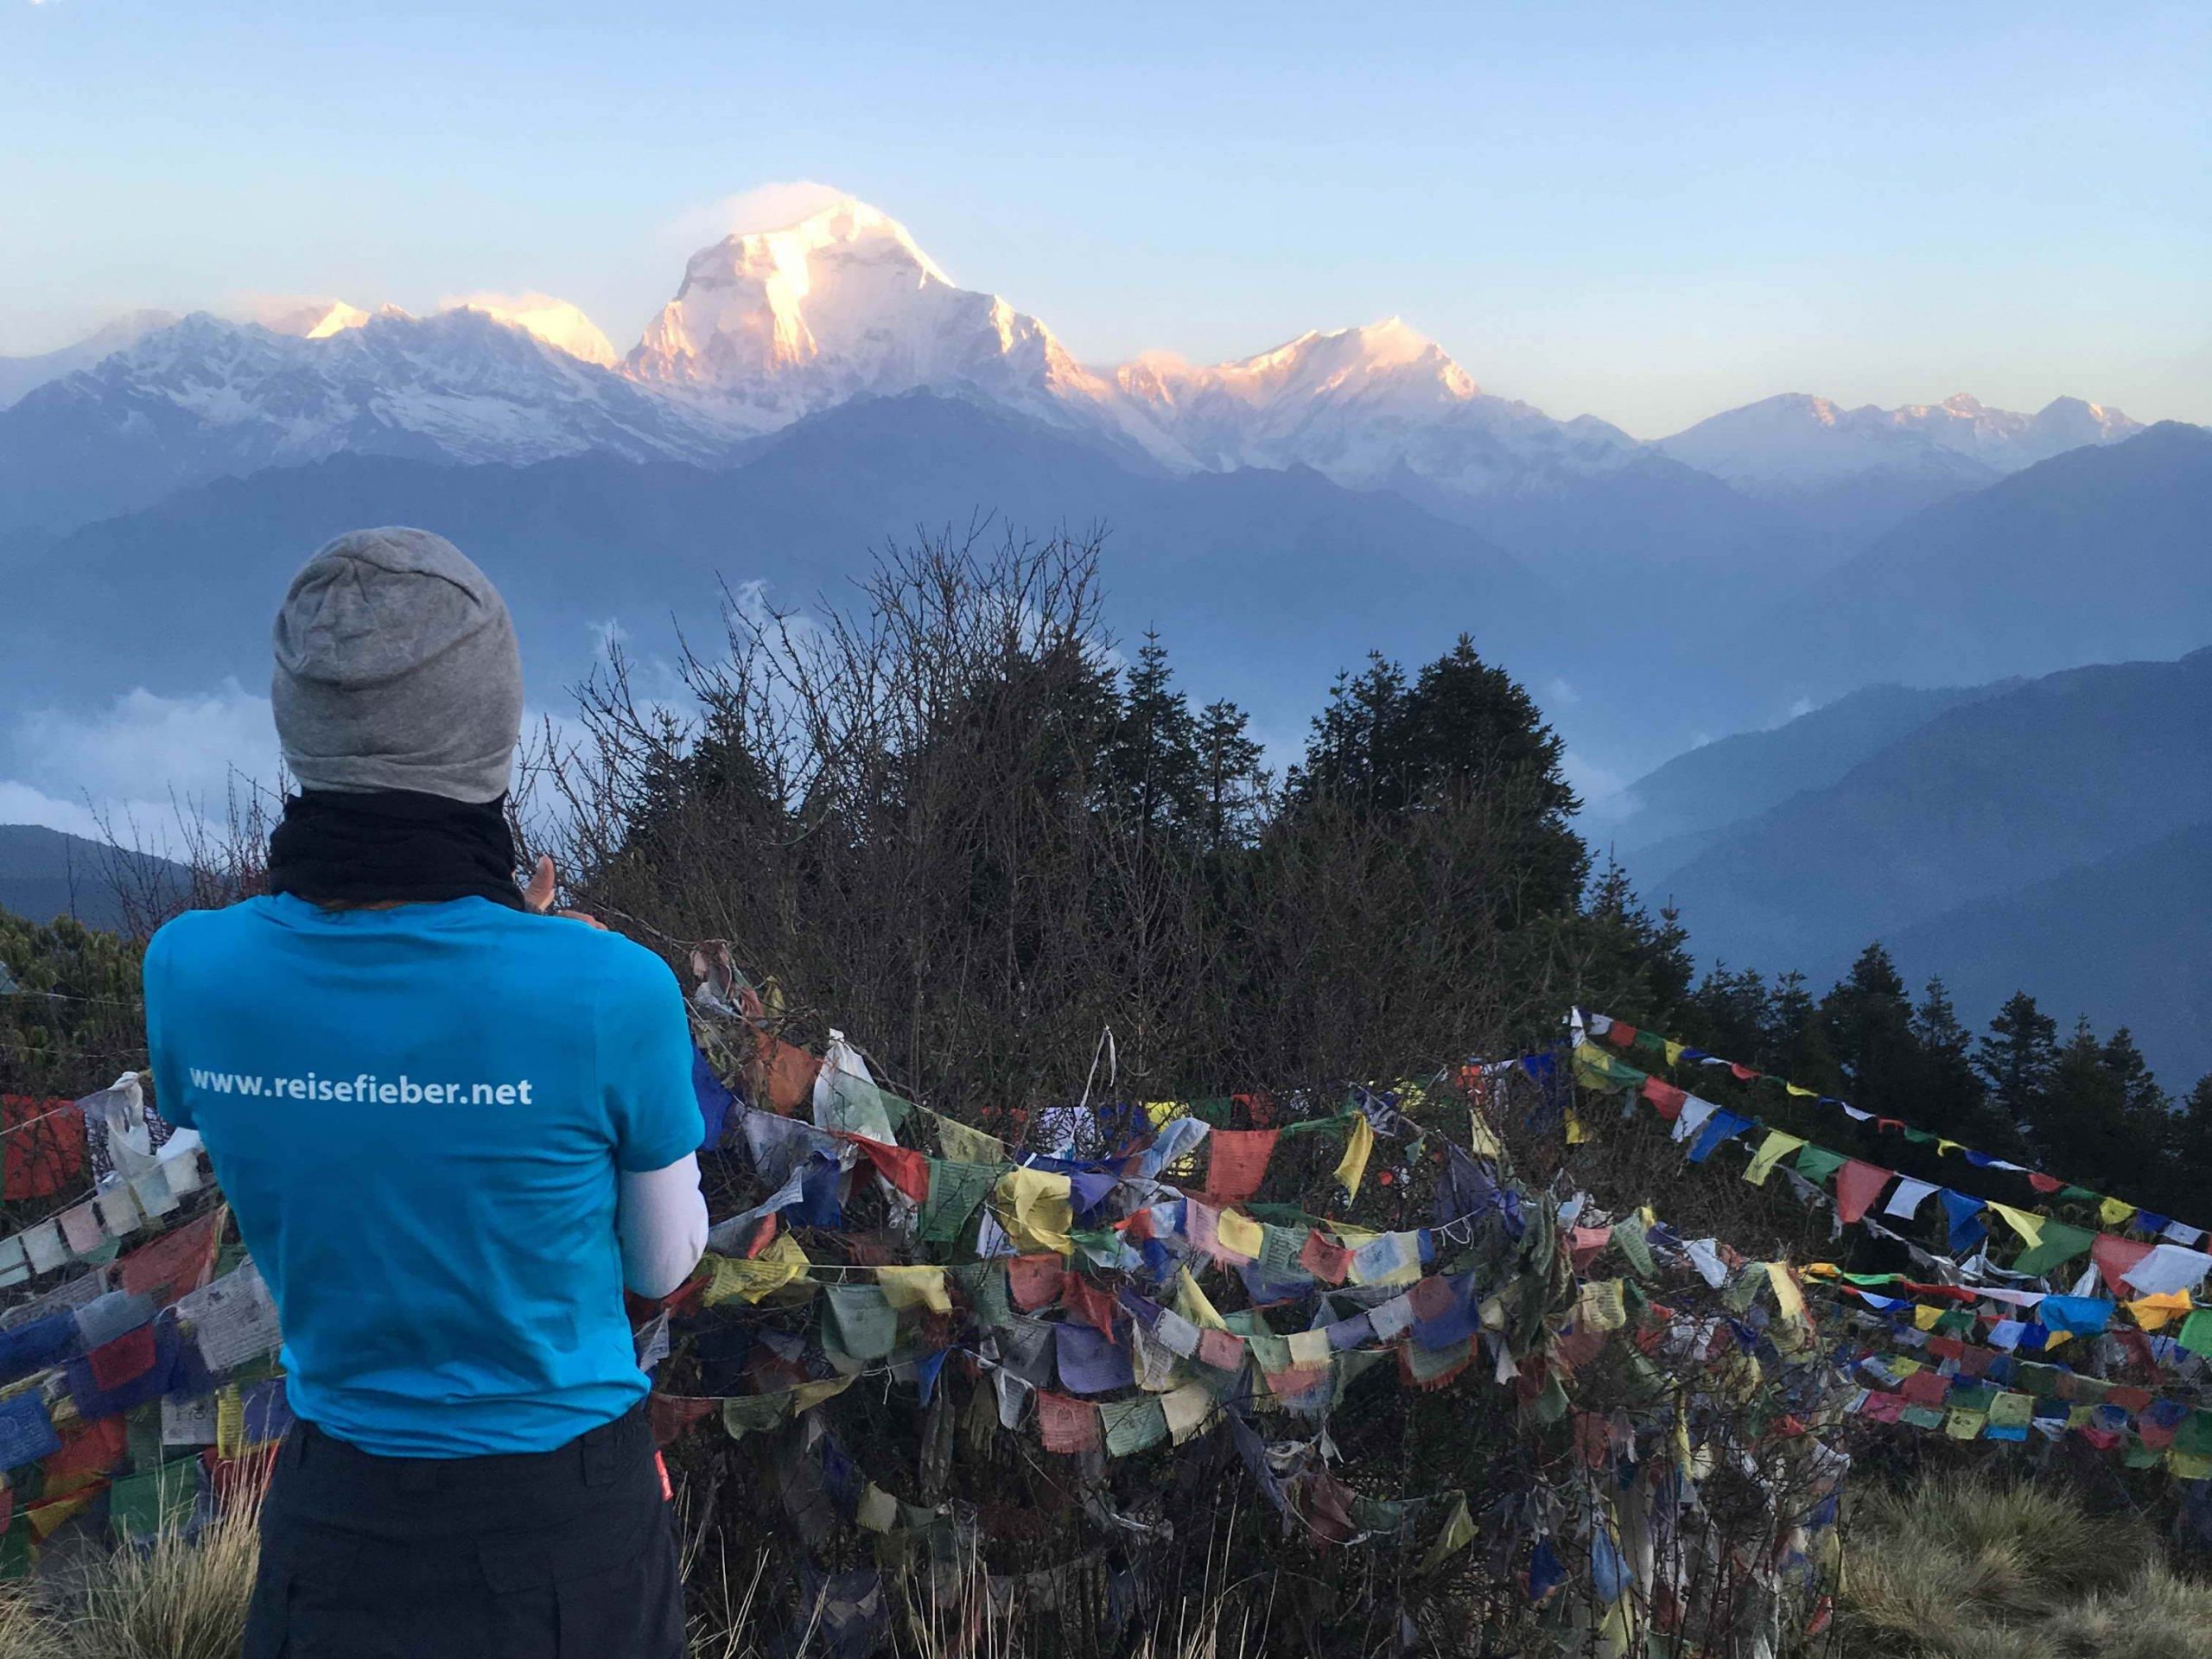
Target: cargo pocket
(309, 1603)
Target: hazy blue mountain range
(45, 874)
(2123, 940)
(1666, 817)
(2097, 554)
(1982, 824)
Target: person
(451, 1127)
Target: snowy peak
(770, 326)
(1796, 441)
(556, 322)
(1384, 358)
(20, 375)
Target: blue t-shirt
(417, 1115)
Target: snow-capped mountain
(772, 326)
(1363, 406)
(19, 375)
(207, 397)
(1795, 442)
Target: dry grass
(1976, 1568)
(175, 1599)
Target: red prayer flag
(1582, 1244)
(174, 1263)
(1665, 1097)
(1069, 1425)
(86, 1455)
(1221, 1351)
(45, 1146)
(1093, 1307)
(1238, 1163)
(1034, 1279)
(1744, 1073)
(1623, 1035)
(1326, 1261)
(1857, 1187)
(2045, 1182)
(904, 1167)
(126, 1359)
(673, 1416)
(2114, 1255)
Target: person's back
(452, 1130)
(413, 1111)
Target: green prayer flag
(1269, 1353)
(2197, 1332)
(2011, 1411)
(142, 1506)
(983, 1283)
(2060, 1244)
(1818, 1163)
(753, 1413)
(1920, 1137)
(2076, 1194)
(956, 1191)
(1922, 1416)
(857, 1323)
(1314, 1125)
(2193, 1434)
(1279, 1252)
(2140, 1456)
(1132, 1425)
(16, 1548)
(1629, 1239)
(1216, 1110)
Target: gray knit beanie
(397, 669)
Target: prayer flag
(1857, 1185)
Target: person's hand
(537, 896)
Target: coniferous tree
(2015, 1058)
(1797, 1041)
(2079, 1128)
(1949, 1097)
(1731, 1012)
(2191, 1150)
(1867, 1021)
(1232, 784)
(1153, 754)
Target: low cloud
(769, 208)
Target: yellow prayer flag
(905, 1287)
(1480, 1139)
(962, 1145)
(2114, 1213)
(45, 1516)
(1942, 1147)
(1239, 1233)
(2152, 1313)
(1772, 1150)
(2029, 1227)
(1032, 1206)
(1191, 1302)
(1600, 1306)
(1962, 1424)
(2188, 1466)
(1577, 1132)
(1925, 1318)
(1819, 1270)
(780, 1264)
(1798, 1089)
(1352, 1166)
(1186, 1410)
(230, 1420)
(1674, 1055)
(1458, 1532)
(1787, 1296)
(807, 1395)
(1309, 1348)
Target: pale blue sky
(1646, 211)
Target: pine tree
(1797, 1044)
(2191, 1146)
(1729, 1013)
(1949, 1097)
(1868, 1023)
(1153, 754)
(2078, 1127)
(1233, 785)
(2015, 1060)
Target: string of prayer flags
(782, 1263)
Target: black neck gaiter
(334, 847)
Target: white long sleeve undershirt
(661, 1219)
